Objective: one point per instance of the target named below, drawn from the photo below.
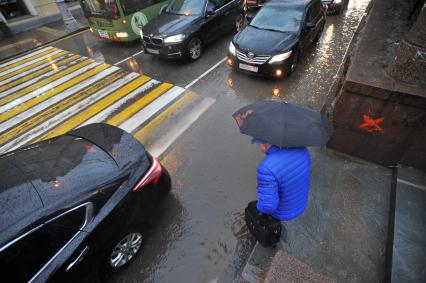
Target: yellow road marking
(33, 65)
(60, 106)
(84, 115)
(30, 76)
(52, 31)
(28, 59)
(43, 82)
(9, 46)
(155, 123)
(139, 104)
(36, 100)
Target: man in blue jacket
(283, 180)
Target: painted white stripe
(30, 62)
(104, 114)
(55, 99)
(205, 73)
(39, 67)
(147, 112)
(25, 57)
(39, 78)
(46, 126)
(125, 59)
(420, 187)
(161, 145)
(46, 88)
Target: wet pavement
(201, 235)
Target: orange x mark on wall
(372, 125)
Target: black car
(274, 39)
(76, 201)
(186, 26)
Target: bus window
(100, 8)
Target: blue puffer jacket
(283, 180)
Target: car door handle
(78, 259)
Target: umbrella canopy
(284, 124)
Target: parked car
(75, 201)
(186, 26)
(275, 38)
(334, 7)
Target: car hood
(169, 24)
(264, 42)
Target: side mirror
(210, 13)
(310, 25)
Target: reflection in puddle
(134, 65)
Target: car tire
(122, 250)
(194, 48)
(295, 60)
(239, 23)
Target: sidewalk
(28, 40)
(342, 235)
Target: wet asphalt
(200, 234)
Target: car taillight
(153, 175)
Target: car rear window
(67, 165)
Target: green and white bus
(120, 20)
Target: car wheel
(122, 251)
(239, 22)
(194, 48)
(294, 62)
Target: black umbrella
(284, 124)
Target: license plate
(103, 33)
(249, 68)
(152, 51)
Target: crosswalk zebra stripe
(139, 104)
(107, 112)
(19, 65)
(33, 67)
(26, 56)
(85, 114)
(44, 127)
(44, 85)
(146, 113)
(37, 116)
(37, 76)
(52, 101)
(48, 92)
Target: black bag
(265, 228)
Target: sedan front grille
(257, 59)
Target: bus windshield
(100, 8)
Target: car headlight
(232, 48)
(337, 1)
(280, 57)
(174, 38)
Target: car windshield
(186, 7)
(101, 8)
(278, 18)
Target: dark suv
(186, 26)
(275, 38)
(74, 202)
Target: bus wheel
(194, 48)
